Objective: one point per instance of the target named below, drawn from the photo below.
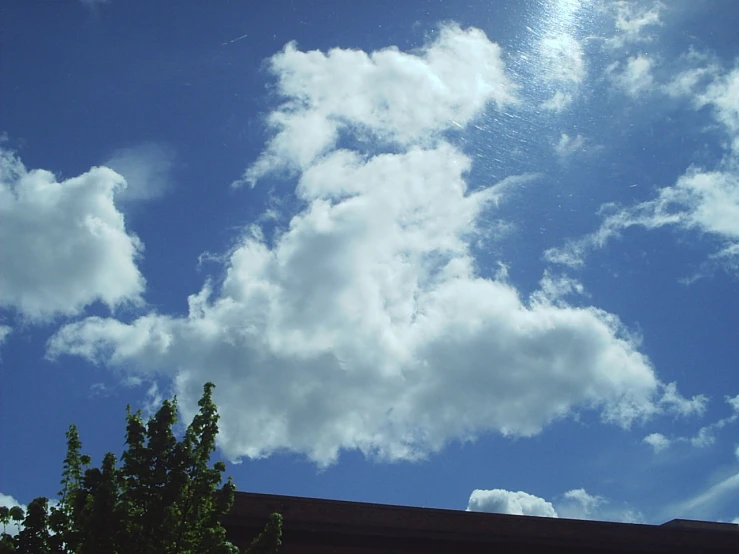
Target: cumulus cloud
(574, 504)
(581, 505)
(657, 441)
(365, 324)
(388, 95)
(147, 169)
(365, 327)
(634, 77)
(65, 244)
(499, 501)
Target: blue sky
(478, 256)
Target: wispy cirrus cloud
(635, 21)
(558, 102)
(94, 3)
(147, 168)
(561, 62)
(698, 70)
(722, 96)
(5, 330)
(567, 145)
(707, 504)
(634, 76)
(703, 201)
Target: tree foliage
(162, 497)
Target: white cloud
(558, 102)
(657, 441)
(704, 201)
(387, 94)
(5, 330)
(562, 59)
(558, 58)
(567, 145)
(364, 324)
(369, 307)
(153, 400)
(635, 76)
(704, 438)
(10, 502)
(705, 83)
(146, 336)
(681, 405)
(706, 435)
(578, 504)
(94, 3)
(65, 244)
(722, 95)
(499, 501)
(701, 69)
(635, 21)
(147, 169)
(574, 504)
(554, 289)
(706, 504)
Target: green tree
(34, 537)
(14, 514)
(163, 498)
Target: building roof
(313, 525)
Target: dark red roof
(314, 525)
